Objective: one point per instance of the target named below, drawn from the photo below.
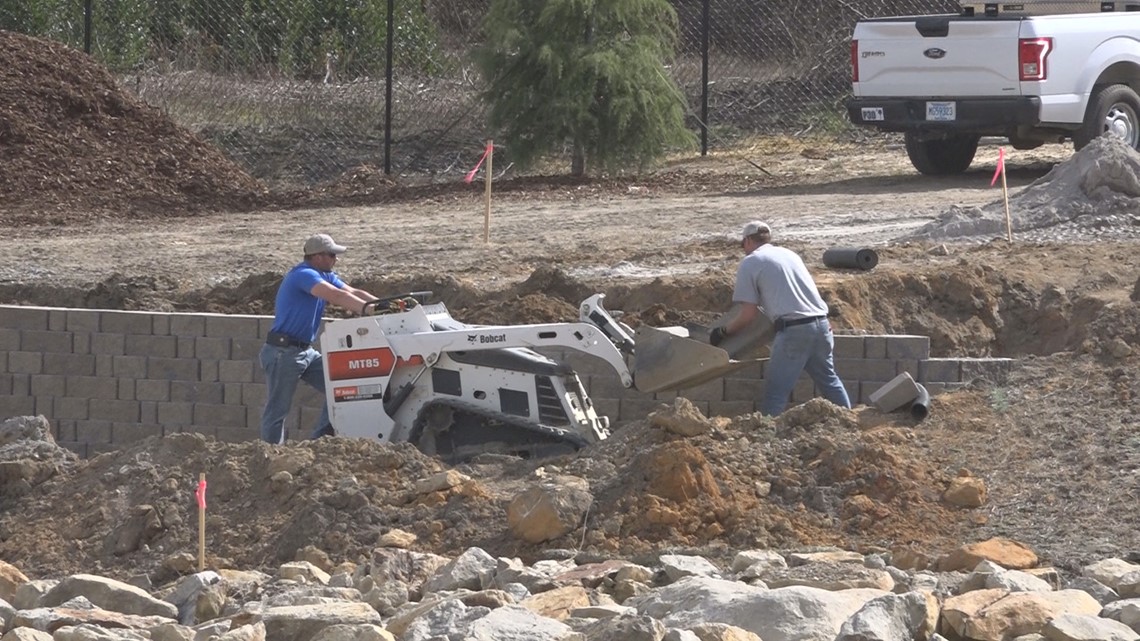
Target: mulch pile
(76, 147)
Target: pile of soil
(75, 146)
(814, 476)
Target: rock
(681, 418)
(722, 632)
(440, 482)
(365, 632)
(757, 561)
(1109, 571)
(514, 623)
(678, 566)
(1129, 585)
(829, 575)
(1004, 552)
(557, 603)
(11, 578)
(1099, 591)
(591, 575)
(891, 617)
(406, 566)
(472, 570)
(108, 594)
(996, 615)
(1076, 627)
(968, 491)
(396, 538)
(829, 556)
(550, 509)
(1126, 611)
(303, 572)
(303, 622)
(27, 634)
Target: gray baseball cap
(322, 244)
(755, 227)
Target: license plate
(872, 114)
(941, 110)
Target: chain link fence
(301, 91)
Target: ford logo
(934, 53)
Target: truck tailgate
(924, 56)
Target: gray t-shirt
(777, 280)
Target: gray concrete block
(127, 322)
(196, 392)
(173, 369)
(25, 362)
(114, 410)
(185, 347)
(865, 368)
(895, 394)
(994, 371)
(939, 370)
(64, 430)
(188, 325)
(910, 366)
(130, 367)
(81, 343)
(738, 389)
(607, 407)
(803, 391)
(80, 449)
(221, 326)
(131, 433)
(903, 346)
(57, 320)
(82, 321)
(161, 325)
(237, 434)
(246, 349)
(48, 385)
(633, 409)
(875, 346)
(708, 391)
(253, 394)
(151, 390)
(609, 386)
(92, 387)
(21, 384)
(235, 372)
(5, 384)
(209, 415)
(93, 431)
(866, 389)
(69, 364)
(9, 339)
(45, 341)
(113, 344)
(104, 365)
(848, 346)
(17, 317)
(208, 371)
(148, 414)
(161, 346)
(231, 393)
(126, 389)
(215, 349)
(175, 414)
(22, 405)
(44, 406)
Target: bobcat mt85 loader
(411, 373)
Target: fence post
(87, 26)
(388, 91)
(705, 77)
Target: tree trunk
(578, 163)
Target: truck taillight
(1032, 54)
(854, 61)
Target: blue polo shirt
(296, 311)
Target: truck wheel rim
(1121, 122)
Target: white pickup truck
(946, 80)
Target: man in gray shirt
(775, 280)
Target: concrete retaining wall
(106, 379)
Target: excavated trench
(967, 311)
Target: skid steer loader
(412, 373)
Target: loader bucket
(672, 358)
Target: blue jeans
(284, 366)
(799, 348)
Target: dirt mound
(76, 147)
(1096, 189)
(811, 477)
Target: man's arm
(746, 314)
(359, 293)
(346, 298)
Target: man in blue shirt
(776, 281)
(288, 355)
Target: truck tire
(941, 156)
(1112, 109)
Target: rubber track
(554, 433)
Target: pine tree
(588, 73)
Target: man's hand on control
(717, 336)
